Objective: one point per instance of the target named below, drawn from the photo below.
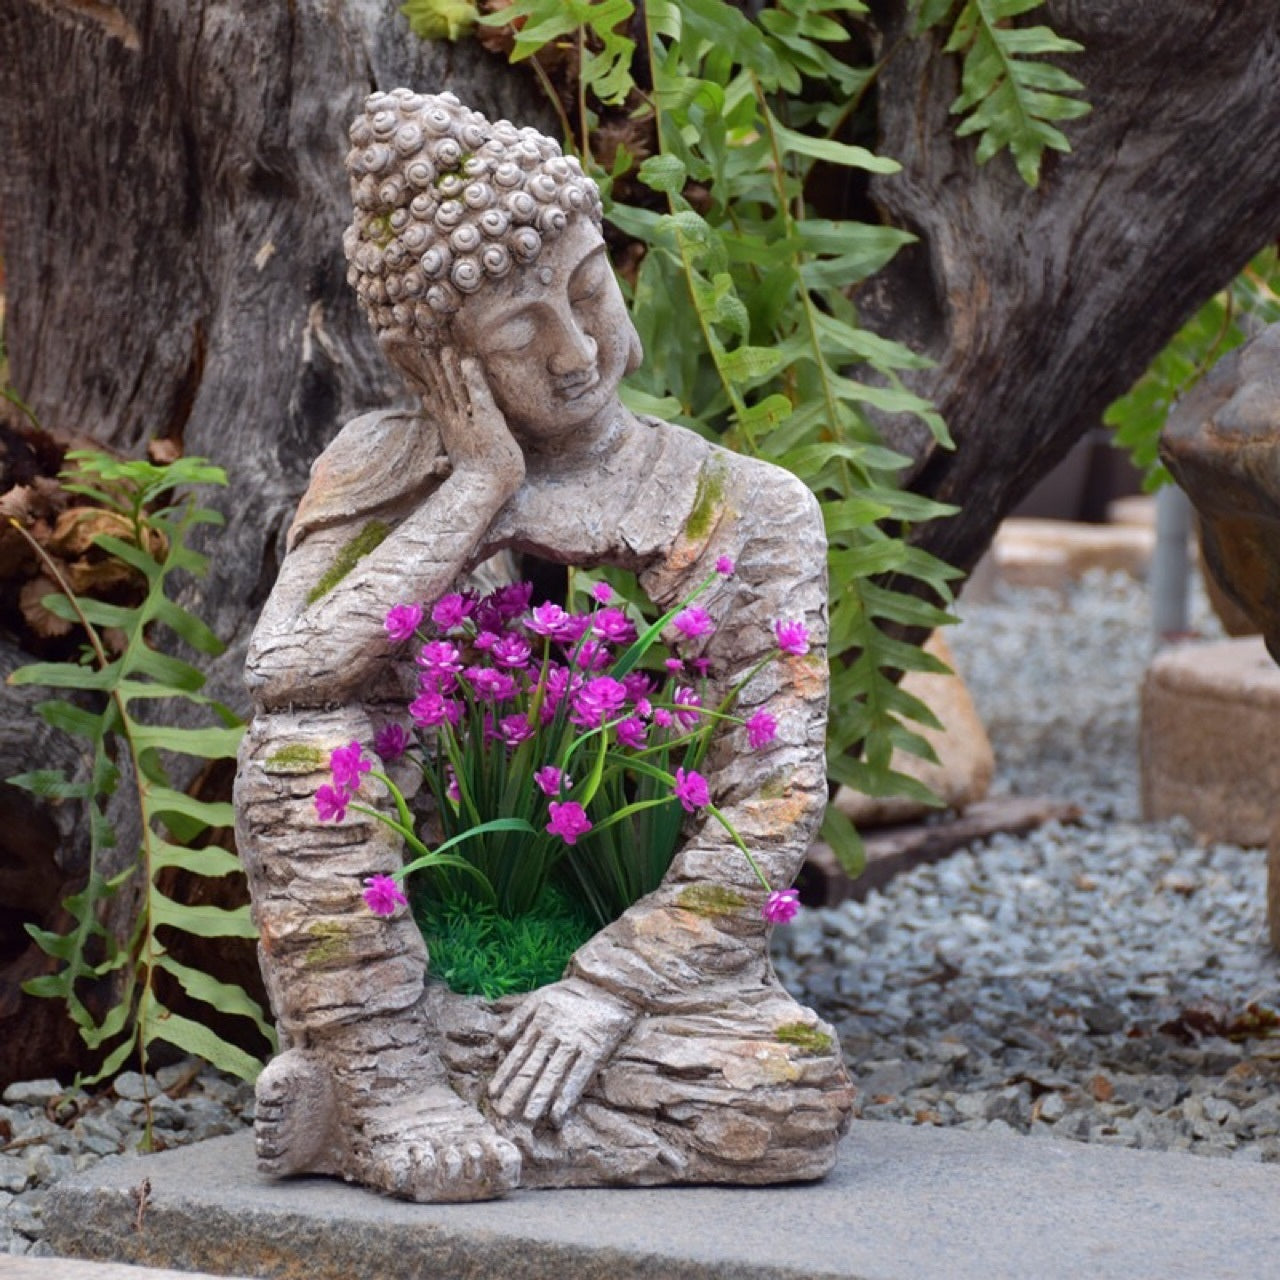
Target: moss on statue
(297, 757)
(369, 537)
(710, 900)
(707, 500)
(804, 1037)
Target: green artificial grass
(481, 953)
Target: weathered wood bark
(1042, 306)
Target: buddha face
(555, 340)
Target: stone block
(903, 1203)
(966, 762)
(1210, 739)
(1135, 509)
(1054, 553)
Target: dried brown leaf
(38, 618)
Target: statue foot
(432, 1147)
(294, 1115)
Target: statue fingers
(549, 1085)
(519, 1074)
(580, 1074)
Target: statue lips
(571, 389)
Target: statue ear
(635, 350)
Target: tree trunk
(1042, 306)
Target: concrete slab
(902, 1204)
(64, 1269)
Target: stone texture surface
(67, 1269)
(965, 764)
(903, 1203)
(1221, 442)
(1273, 887)
(1210, 739)
(668, 1052)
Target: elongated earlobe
(635, 352)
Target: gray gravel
(48, 1131)
(1108, 982)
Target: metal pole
(1170, 565)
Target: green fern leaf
(1011, 101)
(440, 19)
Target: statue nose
(574, 351)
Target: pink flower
(452, 610)
(562, 683)
(674, 665)
(549, 779)
(402, 621)
(724, 567)
(761, 729)
(639, 686)
(430, 709)
(492, 686)
(781, 905)
(602, 593)
(451, 787)
(793, 637)
(598, 701)
(614, 626)
(547, 620)
(694, 623)
(331, 804)
(663, 718)
(382, 895)
(512, 600)
(631, 733)
(576, 625)
(391, 741)
(348, 764)
(515, 729)
(440, 656)
(512, 650)
(591, 655)
(691, 790)
(486, 640)
(568, 820)
(685, 710)
(700, 666)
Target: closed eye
(513, 334)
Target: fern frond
(145, 675)
(1008, 100)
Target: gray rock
(14, 1174)
(32, 1092)
(135, 1087)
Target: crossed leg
(359, 1090)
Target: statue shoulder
(377, 463)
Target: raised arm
(320, 637)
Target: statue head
(486, 235)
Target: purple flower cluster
(508, 655)
(347, 765)
(500, 674)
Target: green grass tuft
(478, 952)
